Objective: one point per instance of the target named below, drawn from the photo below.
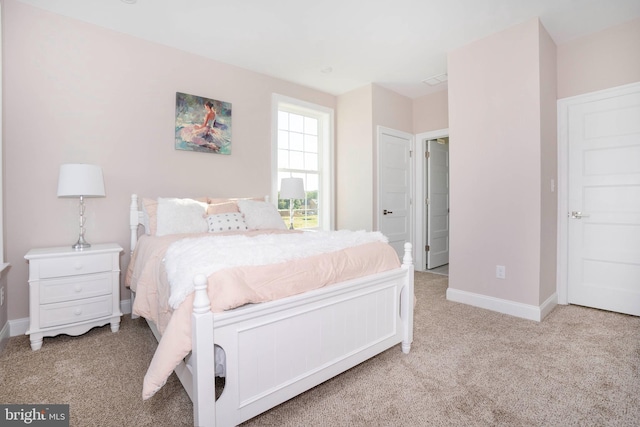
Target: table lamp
(80, 180)
(291, 188)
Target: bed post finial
(201, 302)
(408, 257)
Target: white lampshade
(77, 179)
(291, 188)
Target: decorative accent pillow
(177, 216)
(261, 215)
(229, 206)
(218, 206)
(232, 221)
(215, 201)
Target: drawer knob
(78, 288)
(77, 311)
(78, 266)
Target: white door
(604, 203)
(394, 187)
(437, 202)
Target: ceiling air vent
(436, 80)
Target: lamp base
(291, 214)
(81, 244)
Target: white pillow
(177, 216)
(261, 215)
(232, 221)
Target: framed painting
(202, 124)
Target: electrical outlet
(1, 296)
(501, 271)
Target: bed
(271, 349)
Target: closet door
(603, 226)
(438, 202)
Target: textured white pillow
(261, 215)
(232, 221)
(177, 216)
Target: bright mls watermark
(34, 415)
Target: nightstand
(73, 291)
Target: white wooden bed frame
(277, 350)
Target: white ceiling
(394, 43)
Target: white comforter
(188, 257)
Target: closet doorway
(432, 194)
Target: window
(303, 140)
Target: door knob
(384, 212)
(578, 215)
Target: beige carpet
(467, 367)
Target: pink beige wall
(359, 113)
(599, 61)
(431, 112)
(491, 177)
(393, 111)
(495, 127)
(354, 160)
(548, 165)
(74, 92)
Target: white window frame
(326, 193)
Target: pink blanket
(233, 287)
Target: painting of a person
(197, 133)
(206, 133)
(209, 118)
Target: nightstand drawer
(75, 311)
(74, 288)
(71, 266)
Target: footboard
(277, 350)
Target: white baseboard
(4, 336)
(20, 326)
(125, 306)
(512, 308)
(548, 306)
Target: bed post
(407, 300)
(133, 222)
(202, 358)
